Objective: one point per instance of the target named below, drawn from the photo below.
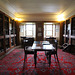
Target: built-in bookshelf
(1, 45)
(73, 32)
(1, 25)
(15, 40)
(1, 33)
(6, 25)
(11, 26)
(12, 41)
(7, 33)
(7, 43)
(64, 26)
(64, 31)
(15, 28)
(68, 28)
(73, 26)
(69, 31)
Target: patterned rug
(13, 64)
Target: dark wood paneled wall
(17, 34)
(39, 31)
(61, 33)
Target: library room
(37, 37)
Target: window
(49, 30)
(27, 29)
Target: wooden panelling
(8, 34)
(39, 31)
(61, 33)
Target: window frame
(45, 30)
(33, 30)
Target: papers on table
(45, 43)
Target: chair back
(25, 43)
(56, 45)
(51, 40)
(28, 42)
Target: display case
(73, 27)
(7, 44)
(6, 25)
(7, 33)
(1, 25)
(11, 26)
(12, 41)
(69, 32)
(1, 45)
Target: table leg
(35, 56)
(49, 60)
(25, 55)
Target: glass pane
(34, 30)
(48, 33)
(28, 27)
(21, 28)
(29, 33)
(49, 27)
(69, 26)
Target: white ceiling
(34, 8)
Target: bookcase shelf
(73, 36)
(11, 26)
(6, 26)
(1, 45)
(15, 27)
(1, 24)
(73, 32)
(69, 31)
(7, 33)
(73, 26)
(7, 43)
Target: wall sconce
(18, 19)
(61, 17)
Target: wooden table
(42, 46)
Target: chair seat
(29, 48)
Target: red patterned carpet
(13, 64)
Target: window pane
(49, 27)
(34, 30)
(28, 27)
(21, 28)
(29, 33)
(48, 33)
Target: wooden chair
(27, 48)
(54, 52)
(51, 39)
